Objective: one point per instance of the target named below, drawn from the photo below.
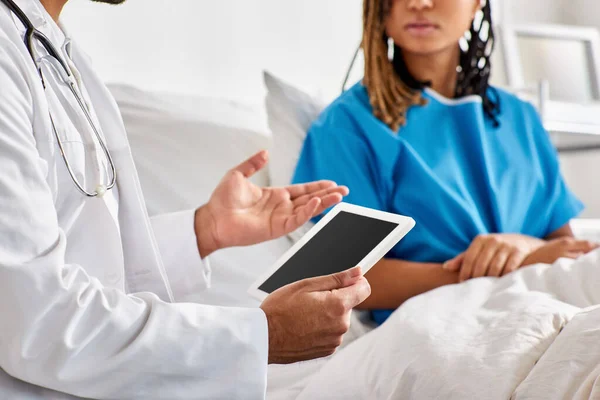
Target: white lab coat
(85, 301)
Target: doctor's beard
(109, 1)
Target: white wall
(570, 12)
(582, 12)
(579, 169)
(542, 11)
(219, 48)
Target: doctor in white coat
(89, 283)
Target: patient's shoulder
(521, 117)
(510, 102)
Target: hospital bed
(531, 335)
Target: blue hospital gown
(449, 168)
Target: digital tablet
(347, 236)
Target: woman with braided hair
(424, 134)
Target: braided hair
(393, 90)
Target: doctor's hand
(240, 213)
(307, 319)
(493, 255)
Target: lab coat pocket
(65, 110)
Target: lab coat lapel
(144, 270)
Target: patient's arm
(560, 244)
(395, 281)
(563, 247)
(500, 254)
(563, 231)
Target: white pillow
(182, 145)
(290, 112)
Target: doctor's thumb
(253, 164)
(338, 280)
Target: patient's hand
(565, 247)
(239, 213)
(493, 255)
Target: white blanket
(570, 368)
(480, 339)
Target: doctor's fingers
(331, 282)
(336, 191)
(311, 188)
(327, 201)
(253, 164)
(302, 215)
(351, 296)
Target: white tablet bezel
(405, 224)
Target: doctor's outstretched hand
(240, 213)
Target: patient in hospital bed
(425, 135)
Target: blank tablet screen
(338, 246)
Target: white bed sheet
(480, 339)
(235, 269)
(570, 369)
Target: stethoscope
(351, 67)
(30, 34)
